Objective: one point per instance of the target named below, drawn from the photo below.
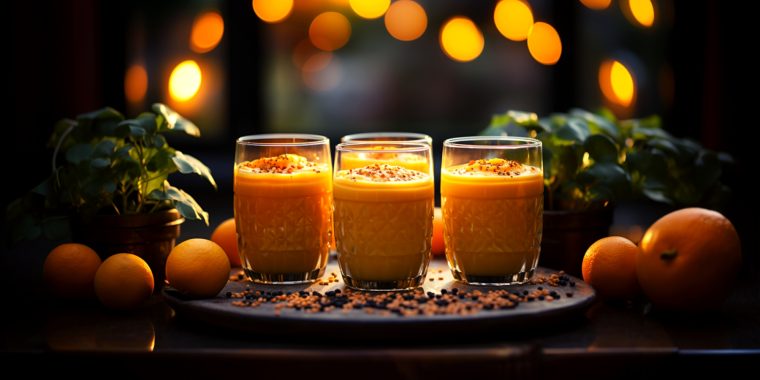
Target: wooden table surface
(40, 335)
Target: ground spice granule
(405, 304)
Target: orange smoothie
(384, 224)
(283, 212)
(374, 154)
(493, 217)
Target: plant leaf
(175, 122)
(575, 130)
(187, 164)
(104, 148)
(131, 128)
(596, 123)
(601, 148)
(182, 201)
(100, 163)
(79, 152)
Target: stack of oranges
(686, 261)
(124, 281)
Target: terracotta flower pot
(150, 236)
(568, 234)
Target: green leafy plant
(591, 159)
(106, 164)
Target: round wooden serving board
(357, 324)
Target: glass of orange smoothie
(379, 153)
(492, 202)
(283, 206)
(383, 216)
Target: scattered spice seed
(404, 304)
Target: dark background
(70, 57)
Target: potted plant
(593, 160)
(109, 186)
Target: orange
(226, 236)
(609, 265)
(69, 270)
(689, 260)
(198, 268)
(124, 281)
(439, 247)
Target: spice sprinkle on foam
(283, 164)
(495, 167)
(382, 173)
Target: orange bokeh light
(544, 43)
(369, 9)
(461, 39)
(272, 11)
(208, 29)
(329, 31)
(185, 81)
(135, 83)
(406, 20)
(640, 11)
(513, 19)
(617, 83)
(596, 4)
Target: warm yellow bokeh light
(596, 4)
(617, 83)
(406, 20)
(185, 81)
(329, 31)
(544, 43)
(461, 39)
(272, 10)
(642, 11)
(513, 18)
(369, 9)
(135, 83)
(208, 29)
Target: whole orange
(609, 265)
(689, 260)
(124, 281)
(198, 268)
(439, 247)
(226, 236)
(69, 270)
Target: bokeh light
(596, 4)
(329, 31)
(406, 20)
(185, 81)
(642, 11)
(369, 9)
(208, 29)
(513, 19)
(461, 39)
(617, 83)
(544, 43)
(135, 83)
(272, 10)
